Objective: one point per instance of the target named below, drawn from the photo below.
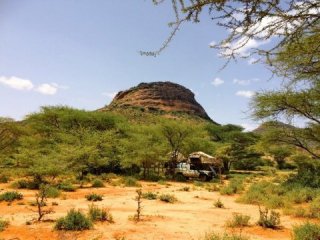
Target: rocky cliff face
(160, 96)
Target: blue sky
(80, 53)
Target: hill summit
(165, 97)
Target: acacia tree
(299, 99)
(248, 22)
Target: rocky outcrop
(160, 96)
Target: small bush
(66, 187)
(75, 221)
(97, 183)
(169, 198)
(185, 189)
(20, 184)
(100, 214)
(314, 208)
(108, 177)
(265, 193)
(267, 220)
(150, 195)
(11, 196)
(94, 197)
(307, 231)
(234, 186)
(238, 220)
(300, 195)
(215, 236)
(218, 204)
(308, 172)
(131, 182)
(52, 192)
(3, 225)
(4, 178)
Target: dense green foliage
(94, 197)
(74, 221)
(307, 231)
(62, 141)
(10, 196)
(99, 214)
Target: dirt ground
(190, 218)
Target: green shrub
(267, 220)
(314, 208)
(4, 178)
(218, 204)
(150, 195)
(75, 221)
(238, 220)
(300, 195)
(20, 184)
(298, 212)
(234, 186)
(10, 196)
(66, 187)
(308, 172)
(185, 189)
(100, 214)
(3, 225)
(52, 192)
(307, 231)
(274, 201)
(97, 183)
(108, 177)
(94, 197)
(168, 198)
(263, 193)
(24, 184)
(131, 182)
(215, 236)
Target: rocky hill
(166, 97)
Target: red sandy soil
(189, 218)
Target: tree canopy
(250, 24)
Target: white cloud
(17, 83)
(109, 94)
(247, 94)
(245, 82)
(56, 85)
(241, 82)
(241, 47)
(217, 81)
(248, 127)
(47, 89)
(27, 85)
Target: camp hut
(203, 161)
(203, 158)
